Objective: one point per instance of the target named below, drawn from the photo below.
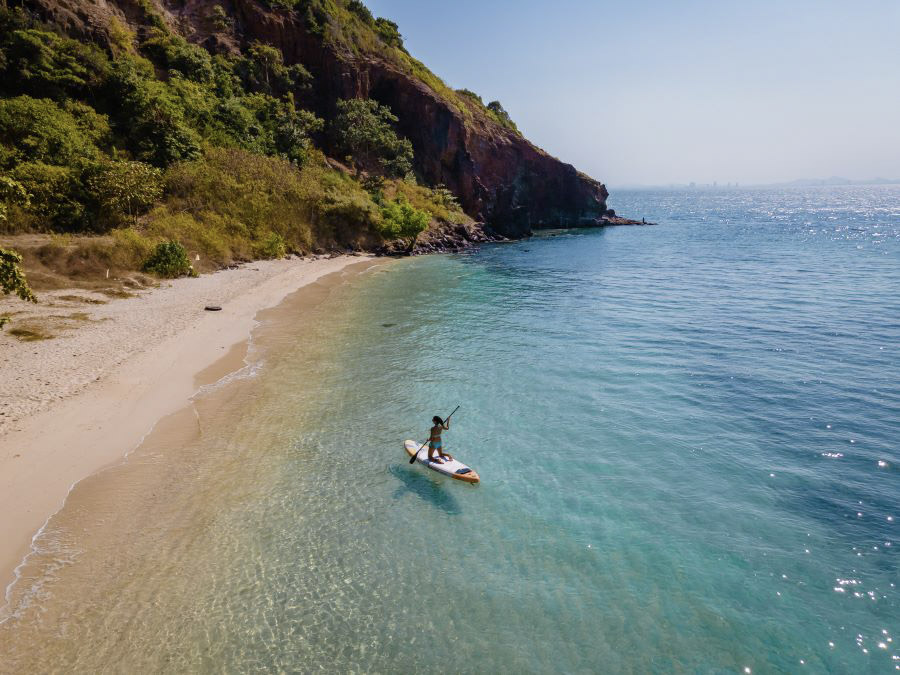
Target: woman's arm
(446, 424)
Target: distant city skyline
(652, 92)
(799, 182)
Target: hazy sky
(654, 92)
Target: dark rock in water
(213, 308)
(388, 325)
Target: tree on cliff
(500, 114)
(263, 70)
(364, 130)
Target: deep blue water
(688, 442)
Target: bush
(130, 248)
(471, 94)
(272, 246)
(12, 280)
(263, 71)
(499, 113)
(218, 240)
(364, 130)
(57, 194)
(125, 189)
(361, 11)
(45, 64)
(173, 52)
(12, 193)
(389, 32)
(40, 130)
(401, 219)
(220, 19)
(169, 260)
(150, 116)
(439, 202)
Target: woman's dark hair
(437, 420)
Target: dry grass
(31, 326)
(96, 264)
(29, 335)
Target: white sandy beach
(71, 405)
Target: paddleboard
(453, 467)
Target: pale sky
(669, 91)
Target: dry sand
(74, 404)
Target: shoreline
(139, 360)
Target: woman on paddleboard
(434, 443)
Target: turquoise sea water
(687, 437)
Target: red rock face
(499, 177)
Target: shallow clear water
(687, 437)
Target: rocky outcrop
(499, 177)
(446, 238)
(456, 238)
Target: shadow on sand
(426, 488)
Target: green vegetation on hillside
(155, 140)
(349, 26)
(364, 131)
(495, 109)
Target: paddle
(412, 459)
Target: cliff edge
(499, 177)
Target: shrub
(45, 64)
(121, 37)
(401, 219)
(292, 130)
(350, 210)
(389, 32)
(220, 19)
(130, 248)
(12, 279)
(470, 94)
(150, 117)
(499, 113)
(208, 234)
(446, 198)
(243, 198)
(361, 11)
(262, 70)
(57, 194)
(173, 52)
(363, 129)
(439, 202)
(272, 246)
(169, 260)
(12, 193)
(125, 189)
(40, 130)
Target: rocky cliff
(499, 177)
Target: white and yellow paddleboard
(453, 467)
